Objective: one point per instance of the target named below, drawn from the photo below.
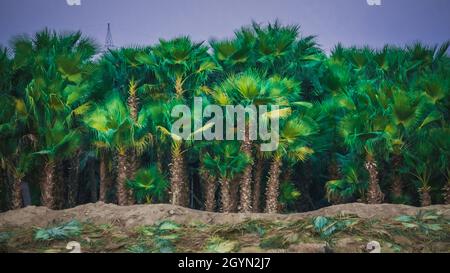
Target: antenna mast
(109, 41)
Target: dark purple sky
(352, 22)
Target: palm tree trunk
(256, 207)
(48, 185)
(246, 179)
(397, 183)
(72, 187)
(59, 188)
(122, 193)
(225, 195)
(210, 187)
(159, 158)
(132, 167)
(234, 190)
(133, 105)
(210, 195)
(374, 194)
(16, 196)
(273, 186)
(178, 185)
(425, 197)
(104, 177)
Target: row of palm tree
(358, 124)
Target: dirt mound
(131, 216)
(165, 228)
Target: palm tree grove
(357, 125)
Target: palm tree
(181, 67)
(120, 71)
(251, 89)
(440, 137)
(15, 155)
(54, 70)
(272, 48)
(115, 130)
(243, 89)
(351, 184)
(364, 133)
(225, 161)
(210, 185)
(9, 129)
(267, 48)
(258, 172)
(179, 145)
(208, 180)
(294, 144)
(56, 143)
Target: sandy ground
(167, 228)
(137, 215)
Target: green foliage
(149, 183)
(273, 242)
(288, 193)
(226, 159)
(4, 237)
(424, 221)
(159, 238)
(65, 231)
(350, 185)
(219, 245)
(389, 105)
(326, 227)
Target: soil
(112, 228)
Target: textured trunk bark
(397, 183)
(273, 185)
(16, 196)
(246, 179)
(122, 193)
(210, 195)
(132, 162)
(114, 176)
(133, 104)
(104, 178)
(225, 195)
(210, 187)
(132, 167)
(234, 189)
(59, 188)
(159, 158)
(258, 173)
(72, 187)
(178, 185)
(374, 194)
(47, 185)
(425, 197)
